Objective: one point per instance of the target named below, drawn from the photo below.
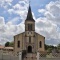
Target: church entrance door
(29, 49)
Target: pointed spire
(29, 15)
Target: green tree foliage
(9, 44)
(58, 46)
(49, 48)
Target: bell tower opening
(29, 49)
(29, 22)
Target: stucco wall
(42, 39)
(24, 42)
(16, 39)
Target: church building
(30, 41)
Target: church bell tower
(29, 41)
(29, 22)
(29, 31)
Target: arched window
(29, 39)
(40, 44)
(18, 44)
(29, 27)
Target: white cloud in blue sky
(45, 12)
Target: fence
(8, 56)
(31, 56)
(49, 56)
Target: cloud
(8, 30)
(50, 23)
(12, 27)
(41, 10)
(2, 21)
(48, 26)
(5, 3)
(19, 9)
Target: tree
(46, 47)
(11, 44)
(7, 44)
(49, 48)
(58, 46)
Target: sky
(45, 12)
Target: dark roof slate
(29, 15)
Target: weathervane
(29, 2)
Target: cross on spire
(29, 2)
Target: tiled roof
(1, 47)
(8, 47)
